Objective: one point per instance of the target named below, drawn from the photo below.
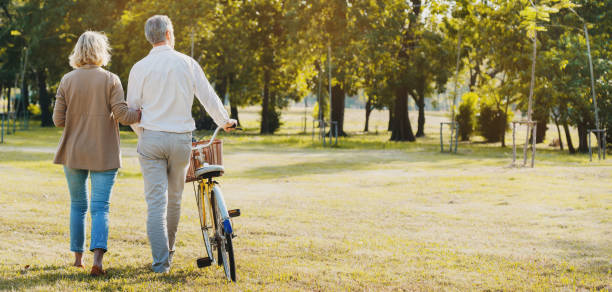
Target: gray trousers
(164, 159)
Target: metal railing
(454, 136)
(322, 135)
(531, 126)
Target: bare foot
(98, 256)
(78, 259)
(97, 271)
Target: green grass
(367, 215)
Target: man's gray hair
(156, 27)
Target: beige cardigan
(88, 103)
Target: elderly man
(162, 85)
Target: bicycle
(215, 218)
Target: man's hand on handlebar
(230, 126)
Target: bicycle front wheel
(225, 248)
(228, 259)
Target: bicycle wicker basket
(212, 155)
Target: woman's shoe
(97, 271)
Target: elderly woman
(89, 102)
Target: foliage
(273, 123)
(34, 109)
(491, 122)
(466, 117)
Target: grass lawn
(368, 215)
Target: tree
(331, 32)
(565, 67)
(431, 64)
(372, 23)
(392, 38)
(226, 51)
(269, 40)
(45, 32)
(42, 43)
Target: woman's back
(88, 101)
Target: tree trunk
(401, 130)
(265, 106)
(337, 107)
(368, 111)
(44, 99)
(568, 138)
(558, 132)
(583, 146)
(503, 132)
(421, 121)
(474, 76)
(503, 137)
(541, 131)
(390, 124)
(8, 100)
(21, 106)
(234, 113)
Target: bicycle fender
(227, 225)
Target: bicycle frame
(206, 218)
(207, 190)
(205, 195)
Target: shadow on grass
(115, 279)
(17, 156)
(352, 161)
(585, 250)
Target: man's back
(163, 84)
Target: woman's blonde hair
(92, 48)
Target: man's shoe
(97, 271)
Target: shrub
(467, 115)
(202, 120)
(492, 123)
(34, 109)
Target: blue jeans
(101, 186)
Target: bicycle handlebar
(212, 139)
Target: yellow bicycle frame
(205, 196)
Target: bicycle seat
(209, 171)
